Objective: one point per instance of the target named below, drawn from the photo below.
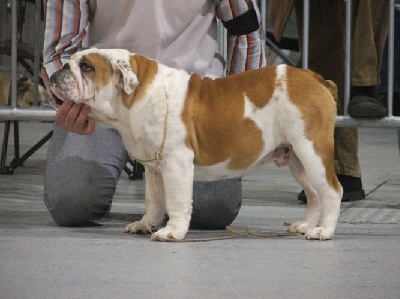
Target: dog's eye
(85, 67)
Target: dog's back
(232, 118)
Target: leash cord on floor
(232, 233)
(248, 232)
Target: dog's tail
(332, 87)
(329, 84)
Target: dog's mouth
(57, 99)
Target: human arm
(66, 31)
(246, 48)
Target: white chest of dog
(183, 127)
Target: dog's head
(99, 78)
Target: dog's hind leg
(330, 199)
(317, 159)
(155, 204)
(314, 206)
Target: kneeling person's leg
(216, 204)
(81, 175)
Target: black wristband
(243, 24)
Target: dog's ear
(128, 80)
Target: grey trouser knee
(81, 174)
(216, 204)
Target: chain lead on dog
(158, 154)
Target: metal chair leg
(3, 168)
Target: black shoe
(396, 102)
(352, 189)
(363, 103)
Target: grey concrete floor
(41, 260)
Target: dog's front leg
(155, 204)
(178, 186)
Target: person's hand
(74, 118)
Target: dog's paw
(320, 233)
(138, 227)
(301, 227)
(169, 233)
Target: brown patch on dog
(214, 117)
(102, 73)
(145, 70)
(305, 87)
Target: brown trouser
(327, 54)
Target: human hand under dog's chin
(73, 117)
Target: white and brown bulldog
(183, 127)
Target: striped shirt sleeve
(246, 51)
(66, 29)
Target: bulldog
(183, 128)
(25, 91)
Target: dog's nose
(65, 66)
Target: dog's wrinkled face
(95, 77)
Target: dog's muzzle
(61, 81)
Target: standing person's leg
(82, 174)
(326, 57)
(383, 88)
(370, 18)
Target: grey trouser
(327, 55)
(82, 173)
